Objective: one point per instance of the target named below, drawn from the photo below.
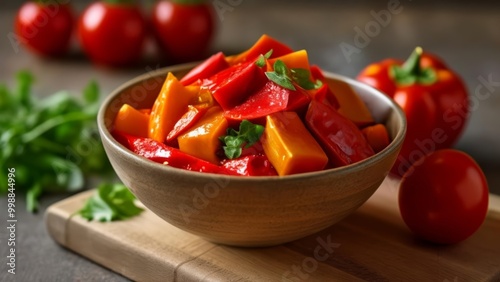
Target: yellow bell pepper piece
(289, 146)
(351, 105)
(169, 107)
(295, 60)
(202, 140)
(132, 121)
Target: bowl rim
(106, 134)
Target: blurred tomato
(112, 34)
(183, 28)
(45, 28)
(443, 197)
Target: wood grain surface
(372, 244)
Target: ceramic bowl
(248, 211)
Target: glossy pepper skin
(161, 153)
(433, 97)
(341, 139)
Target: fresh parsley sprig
(246, 137)
(52, 143)
(110, 202)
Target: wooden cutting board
(372, 244)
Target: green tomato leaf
(110, 202)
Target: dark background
(465, 34)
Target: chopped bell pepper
(189, 118)
(377, 136)
(294, 60)
(169, 107)
(161, 153)
(233, 85)
(350, 104)
(324, 94)
(132, 121)
(208, 68)
(202, 140)
(269, 99)
(289, 145)
(250, 165)
(261, 47)
(342, 140)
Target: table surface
(465, 35)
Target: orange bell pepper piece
(377, 136)
(289, 146)
(350, 105)
(202, 140)
(131, 121)
(169, 107)
(294, 60)
(262, 46)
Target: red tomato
(184, 31)
(112, 34)
(443, 198)
(45, 28)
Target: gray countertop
(466, 36)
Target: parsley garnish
(110, 202)
(284, 77)
(42, 140)
(234, 141)
(261, 61)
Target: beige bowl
(248, 211)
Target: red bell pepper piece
(261, 47)
(423, 82)
(341, 139)
(233, 85)
(269, 99)
(208, 68)
(161, 153)
(251, 165)
(192, 115)
(324, 93)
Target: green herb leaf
(285, 77)
(282, 81)
(261, 61)
(247, 136)
(303, 78)
(53, 143)
(110, 202)
(32, 197)
(91, 92)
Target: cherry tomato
(183, 29)
(443, 197)
(112, 34)
(45, 28)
